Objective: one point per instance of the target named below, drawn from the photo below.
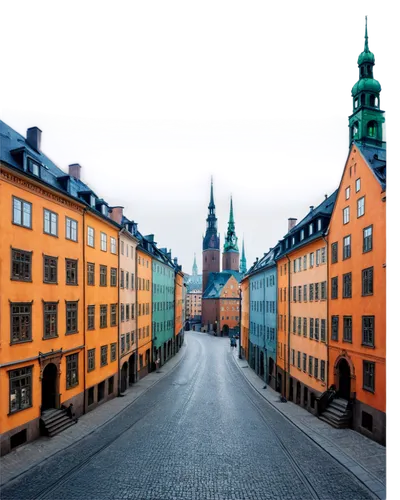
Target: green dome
(366, 84)
(366, 57)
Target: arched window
(372, 100)
(355, 103)
(362, 99)
(355, 129)
(371, 129)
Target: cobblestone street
(201, 433)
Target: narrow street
(201, 433)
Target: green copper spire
(243, 263)
(194, 269)
(211, 204)
(231, 239)
(366, 122)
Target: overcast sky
(160, 172)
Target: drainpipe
(84, 310)
(327, 312)
(288, 323)
(240, 321)
(118, 314)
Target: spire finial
(366, 49)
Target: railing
(325, 399)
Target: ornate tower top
(366, 122)
(194, 268)
(243, 263)
(211, 238)
(230, 238)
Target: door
(49, 387)
(124, 377)
(344, 379)
(132, 369)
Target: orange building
(179, 308)
(307, 342)
(144, 307)
(41, 283)
(193, 304)
(282, 265)
(245, 317)
(127, 299)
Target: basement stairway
(337, 414)
(53, 422)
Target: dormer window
(302, 234)
(287, 243)
(319, 224)
(310, 229)
(92, 201)
(104, 210)
(34, 168)
(293, 240)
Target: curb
(379, 496)
(99, 426)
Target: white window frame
(302, 234)
(113, 245)
(103, 241)
(310, 229)
(90, 236)
(92, 200)
(361, 206)
(358, 185)
(319, 225)
(25, 215)
(71, 229)
(347, 193)
(346, 215)
(52, 221)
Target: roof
(217, 281)
(375, 158)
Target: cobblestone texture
(201, 433)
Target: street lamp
(240, 322)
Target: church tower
(243, 263)
(230, 256)
(211, 248)
(367, 121)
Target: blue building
(263, 316)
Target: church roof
(375, 158)
(217, 281)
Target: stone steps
(55, 421)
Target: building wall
(372, 402)
(210, 314)
(163, 308)
(179, 309)
(245, 319)
(143, 321)
(230, 261)
(283, 321)
(97, 295)
(228, 305)
(128, 330)
(316, 309)
(194, 304)
(18, 355)
(211, 264)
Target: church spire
(366, 122)
(230, 238)
(211, 238)
(194, 268)
(211, 205)
(243, 263)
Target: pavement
(364, 458)
(28, 456)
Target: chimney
(326, 197)
(176, 261)
(74, 170)
(116, 214)
(34, 137)
(291, 223)
(311, 208)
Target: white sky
(160, 172)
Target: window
(128, 341)
(299, 326)
(369, 376)
(132, 281)
(122, 248)
(311, 291)
(346, 215)
(305, 262)
(368, 330)
(90, 273)
(346, 247)
(71, 229)
(298, 293)
(302, 234)
(49, 269)
(347, 193)
(90, 236)
(316, 333)
(113, 245)
(305, 293)
(368, 281)
(127, 280)
(21, 322)
(310, 229)
(323, 330)
(311, 328)
(304, 327)
(310, 364)
(361, 207)
(334, 287)
(20, 389)
(72, 317)
(294, 295)
(22, 213)
(122, 280)
(91, 317)
(113, 351)
(91, 360)
(322, 370)
(104, 210)
(347, 285)
(103, 241)
(127, 312)
(71, 272)
(50, 222)
(113, 276)
(323, 290)
(123, 343)
(21, 268)
(113, 314)
(334, 252)
(103, 275)
(92, 201)
(123, 312)
(292, 356)
(316, 291)
(347, 329)
(298, 359)
(304, 362)
(72, 370)
(367, 239)
(50, 320)
(103, 316)
(319, 224)
(104, 355)
(335, 328)
(312, 259)
(358, 185)
(316, 368)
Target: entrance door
(124, 377)
(132, 369)
(344, 379)
(49, 387)
(225, 330)
(261, 367)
